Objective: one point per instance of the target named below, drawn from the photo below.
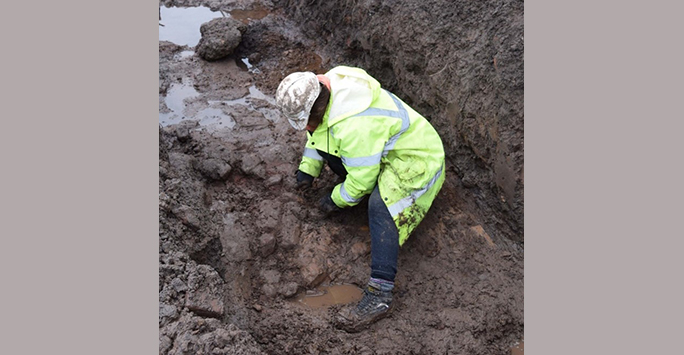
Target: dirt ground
(238, 247)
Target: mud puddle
(254, 101)
(181, 25)
(257, 13)
(326, 296)
(177, 100)
(182, 97)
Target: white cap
(295, 97)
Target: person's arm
(312, 162)
(361, 143)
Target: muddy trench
(244, 260)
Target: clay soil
(238, 245)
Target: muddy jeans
(384, 233)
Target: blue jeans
(384, 233)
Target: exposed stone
(269, 215)
(269, 290)
(178, 285)
(251, 164)
(290, 233)
(187, 215)
(205, 292)
(165, 343)
(183, 130)
(314, 271)
(271, 276)
(180, 161)
(215, 169)
(267, 244)
(167, 312)
(220, 37)
(273, 180)
(234, 239)
(289, 289)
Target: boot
(374, 306)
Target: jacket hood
(353, 91)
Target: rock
(235, 239)
(273, 180)
(289, 289)
(178, 285)
(187, 216)
(205, 292)
(254, 58)
(269, 290)
(269, 216)
(314, 272)
(251, 165)
(267, 244)
(167, 313)
(183, 130)
(290, 232)
(179, 161)
(214, 169)
(165, 344)
(220, 37)
(271, 276)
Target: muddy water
(181, 25)
(245, 16)
(177, 98)
(326, 296)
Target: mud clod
(205, 292)
(214, 169)
(267, 245)
(220, 37)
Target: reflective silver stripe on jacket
(372, 111)
(312, 153)
(405, 124)
(409, 200)
(346, 197)
(362, 161)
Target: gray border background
(603, 269)
(79, 218)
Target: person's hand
(304, 181)
(327, 205)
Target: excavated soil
(239, 248)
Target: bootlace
(366, 301)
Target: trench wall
(460, 63)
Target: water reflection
(181, 25)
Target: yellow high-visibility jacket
(380, 140)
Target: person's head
(302, 99)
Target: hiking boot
(374, 306)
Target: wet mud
(244, 260)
